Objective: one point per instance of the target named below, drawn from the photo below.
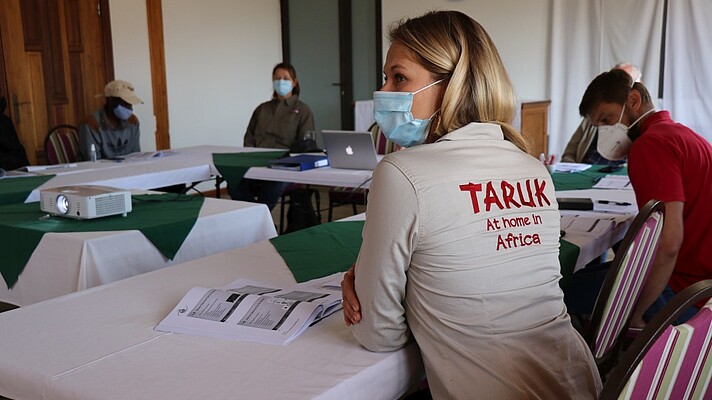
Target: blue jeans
(662, 300)
(256, 191)
(581, 293)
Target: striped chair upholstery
(667, 361)
(344, 196)
(62, 145)
(624, 281)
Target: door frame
(345, 54)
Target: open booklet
(255, 311)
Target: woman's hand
(351, 305)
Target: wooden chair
(667, 361)
(62, 145)
(622, 286)
(341, 196)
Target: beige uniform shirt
(278, 123)
(460, 248)
(580, 142)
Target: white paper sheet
(614, 182)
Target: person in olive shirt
(277, 124)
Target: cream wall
(219, 59)
(519, 29)
(129, 32)
(219, 56)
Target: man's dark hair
(610, 87)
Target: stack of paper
(254, 311)
(614, 182)
(587, 226)
(570, 167)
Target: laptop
(350, 149)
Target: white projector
(85, 202)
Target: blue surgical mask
(282, 86)
(392, 111)
(122, 112)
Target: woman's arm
(306, 121)
(249, 140)
(390, 236)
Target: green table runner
(233, 166)
(16, 190)
(165, 220)
(329, 248)
(568, 255)
(584, 179)
(320, 250)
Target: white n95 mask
(613, 140)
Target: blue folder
(301, 162)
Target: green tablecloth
(582, 180)
(329, 248)
(16, 190)
(568, 255)
(233, 166)
(320, 250)
(165, 220)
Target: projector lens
(62, 204)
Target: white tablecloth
(325, 176)
(100, 344)
(67, 262)
(178, 166)
(593, 247)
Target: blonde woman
(460, 245)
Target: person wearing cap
(114, 129)
(583, 145)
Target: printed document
(254, 311)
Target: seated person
(437, 263)
(583, 145)
(278, 124)
(12, 153)
(667, 161)
(113, 129)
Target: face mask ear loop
(620, 118)
(641, 117)
(425, 87)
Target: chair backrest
(666, 361)
(383, 145)
(624, 281)
(62, 145)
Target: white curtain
(589, 37)
(687, 92)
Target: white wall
(519, 29)
(220, 54)
(219, 59)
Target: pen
(618, 203)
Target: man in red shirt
(667, 161)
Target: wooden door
(535, 126)
(57, 59)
